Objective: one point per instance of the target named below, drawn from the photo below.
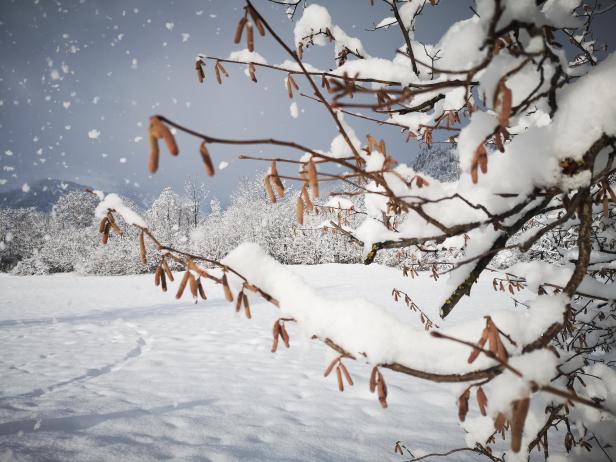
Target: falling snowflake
(294, 110)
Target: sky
(80, 78)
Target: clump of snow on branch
(114, 202)
(376, 332)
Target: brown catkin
(373, 376)
(162, 131)
(312, 179)
(499, 422)
(505, 106)
(116, 228)
(207, 160)
(339, 377)
(105, 238)
(284, 335)
(257, 21)
(474, 174)
(250, 38)
(482, 401)
(226, 288)
(200, 72)
(306, 197)
(501, 353)
(142, 253)
(201, 290)
(480, 159)
(154, 154)
(325, 83)
(483, 159)
(347, 376)
(252, 72)
(518, 417)
(482, 341)
(193, 284)
(278, 186)
(163, 280)
(157, 276)
(218, 77)
(238, 31)
(222, 69)
(289, 89)
(182, 285)
(275, 344)
(238, 302)
(292, 80)
(246, 306)
(299, 208)
(268, 189)
(499, 142)
(276, 330)
(381, 387)
(463, 404)
(166, 269)
(492, 339)
(102, 225)
(330, 367)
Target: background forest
(65, 240)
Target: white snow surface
(110, 368)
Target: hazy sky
(79, 79)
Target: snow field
(110, 368)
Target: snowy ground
(110, 368)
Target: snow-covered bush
(65, 250)
(529, 98)
(22, 234)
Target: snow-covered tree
(75, 209)
(171, 217)
(122, 253)
(251, 217)
(528, 95)
(69, 237)
(439, 161)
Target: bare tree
(196, 194)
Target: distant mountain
(43, 194)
